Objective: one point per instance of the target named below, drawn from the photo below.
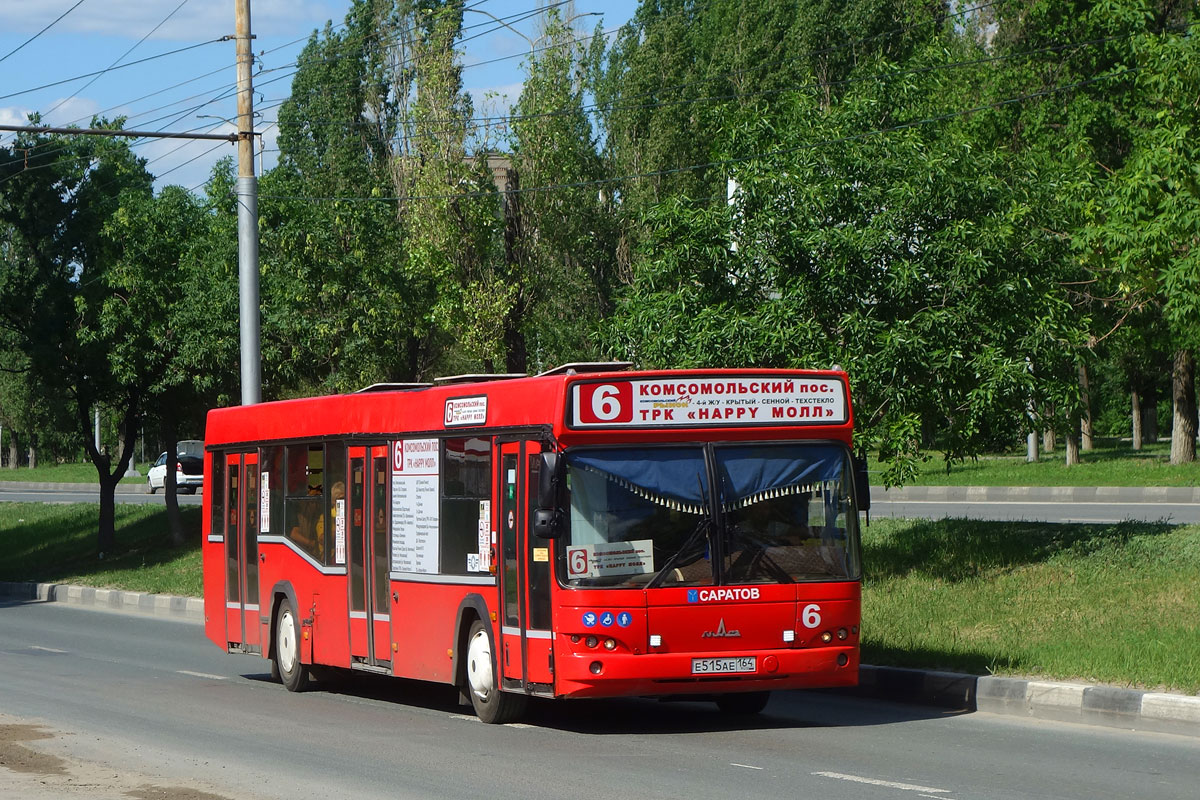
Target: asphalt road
(123, 698)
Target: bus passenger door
(367, 541)
(239, 497)
(525, 649)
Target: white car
(189, 471)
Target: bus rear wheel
(745, 703)
(292, 673)
(491, 705)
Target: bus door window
(538, 553)
(358, 597)
(380, 534)
(508, 525)
(233, 583)
(250, 530)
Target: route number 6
(811, 616)
(605, 403)
(577, 561)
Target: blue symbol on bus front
(693, 595)
(589, 619)
(607, 619)
(624, 619)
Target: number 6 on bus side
(811, 616)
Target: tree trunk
(1150, 419)
(1183, 402)
(1048, 440)
(1073, 437)
(106, 535)
(14, 450)
(1031, 441)
(1086, 430)
(1135, 413)
(32, 451)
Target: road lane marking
(744, 766)
(202, 675)
(908, 787)
(469, 718)
(47, 649)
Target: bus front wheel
(743, 704)
(491, 705)
(292, 673)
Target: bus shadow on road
(786, 710)
(622, 716)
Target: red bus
(587, 532)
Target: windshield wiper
(700, 531)
(702, 528)
(760, 554)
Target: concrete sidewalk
(1063, 702)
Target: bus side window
(304, 522)
(466, 480)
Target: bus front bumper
(601, 673)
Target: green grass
(1115, 604)
(57, 544)
(1111, 463)
(64, 473)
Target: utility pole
(247, 201)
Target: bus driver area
(587, 532)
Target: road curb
(1064, 702)
(158, 605)
(1038, 494)
(1108, 706)
(36, 486)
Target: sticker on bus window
(339, 526)
(611, 558)
(264, 503)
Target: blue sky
(192, 90)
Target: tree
(560, 232)
(1146, 224)
(59, 297)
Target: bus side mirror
(862, 484)
(548, 516)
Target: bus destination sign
(693, 400)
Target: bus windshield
(646, 517)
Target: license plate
(714, 666)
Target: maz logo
(721, 633)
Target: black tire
(743, 704)
(491, 705)
(150, 487)
(286, 652)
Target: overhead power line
(227, 137)
(84, 88)
(43, 30)
(120, 66)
